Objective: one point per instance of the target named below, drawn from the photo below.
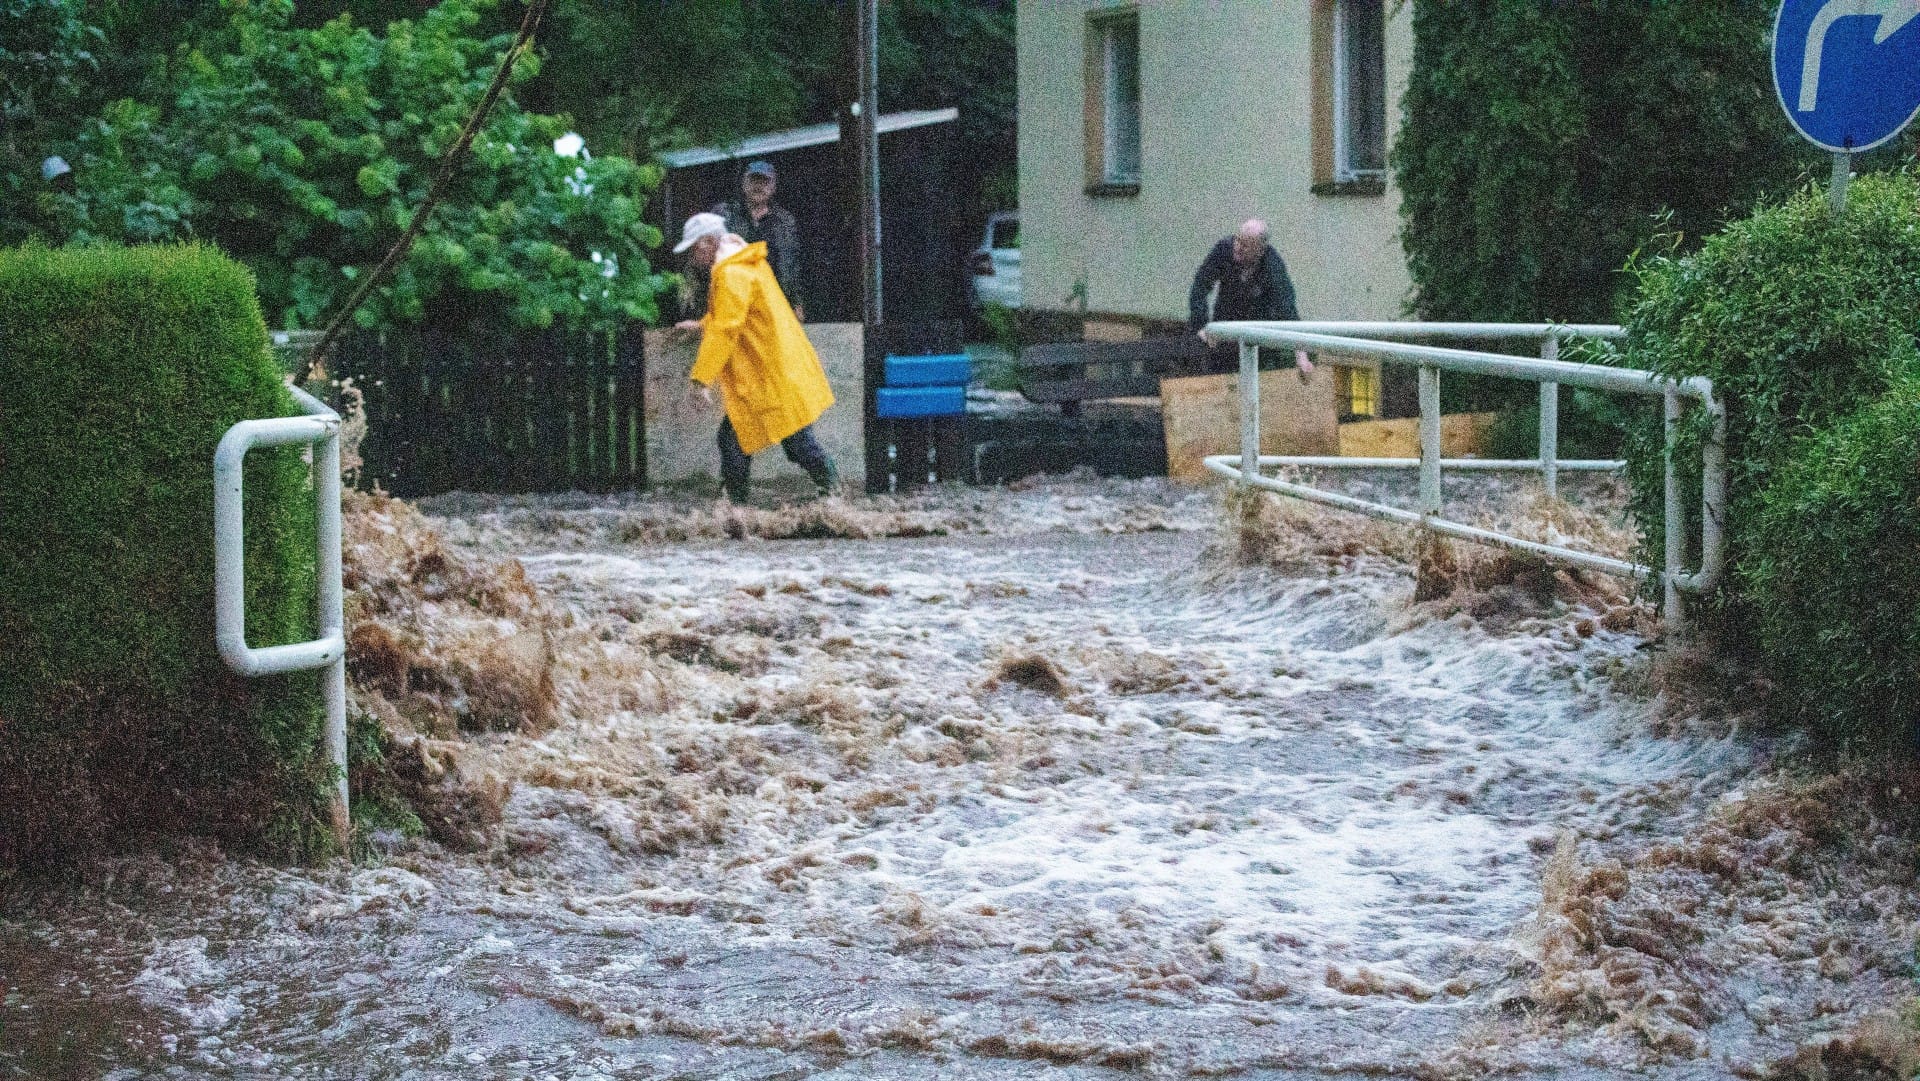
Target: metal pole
(1713, 498)
(1550, 422)
(1249, 412)
(1429, 440)
(866, 112)
(326, 483)
(322, 427)
(1837, 187)
(1676, 524)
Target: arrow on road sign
(1893, 15)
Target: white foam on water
(1378, 805)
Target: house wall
(1227, 120)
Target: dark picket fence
(527, 411)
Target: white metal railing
(1387, 342)
(321, 427)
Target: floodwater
(1062, 793)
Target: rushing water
(1053, 801)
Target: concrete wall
(1227, 119)
(680, 431)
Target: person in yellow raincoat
(752, 347)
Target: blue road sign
(1848, 71)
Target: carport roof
(774, 142)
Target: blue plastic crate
(920, 401)
(944, 370)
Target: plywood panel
(1462, 435)
(1103, 330)
(1201, 415)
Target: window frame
(1102, 113)
(1334, 171)
(1343, 76)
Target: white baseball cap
(698, 226)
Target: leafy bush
(1833, 570)
(1804, 321)
(46, 58)
(1592, 425)
(1799, 317)
(120, 369)
(303, 153)
(1541, 140)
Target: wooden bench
(1068, 373)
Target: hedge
(1540, 141)
(1805, 321)
(1799, 317)
(1834, 571)
(119, 371)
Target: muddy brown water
(1236, 825)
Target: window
(1113, 103)
(1356, 391)
(1350, 104)
(1359, 89)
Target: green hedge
(119, 371)
(1541, 140)
(1799, 317)
(1803, 320)
(1834, 571)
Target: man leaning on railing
(1248, 280)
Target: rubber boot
(826, 479)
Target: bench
(1068, 373)
(916, 379)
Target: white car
(995, 264)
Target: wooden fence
(534, 411)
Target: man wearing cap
(753, 348)
(756, 218)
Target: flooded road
(1063, 793)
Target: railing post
(1249, 411)
(1713, 494)
(1550, 421)
(321, 427)
(326, 485)
(1676, 523)
(1430, 499)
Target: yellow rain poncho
(751, 344)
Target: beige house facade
(1150, 130)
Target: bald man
(1251, 283)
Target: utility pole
(864, 131)
(860, 170)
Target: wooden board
(1462, 435)
(1101, 330)
(1201, 416)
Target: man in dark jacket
(757, 218)
(1252, 283)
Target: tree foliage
(1542, 140)
(303, 152)
(667, 73)
(48, 52)
(662, 74)
(296, 137)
